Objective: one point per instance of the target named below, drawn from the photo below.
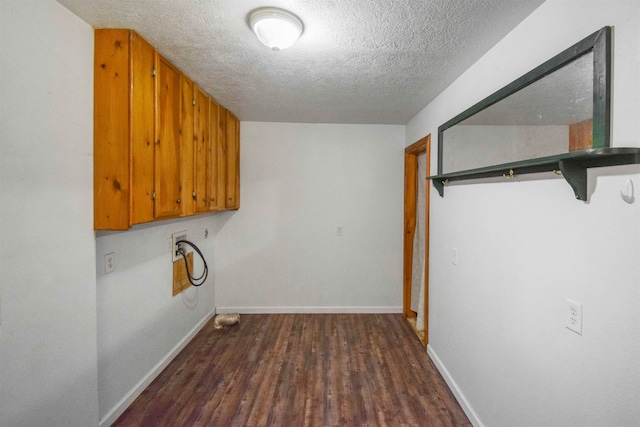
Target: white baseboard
(462, 400)
(121, 406)
(308, 310)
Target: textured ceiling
(358, 61)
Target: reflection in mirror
(560, 107)
(551, 116)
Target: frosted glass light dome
(276, 28)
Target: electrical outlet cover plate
(574, 316)
(109, 263)
(176, 237)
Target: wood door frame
(411, 154)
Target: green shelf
(573, 167)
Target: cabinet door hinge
(153, 72)
(153, 195)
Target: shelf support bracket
(575, 173)
(439, 184)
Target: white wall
(141, 326)
(280, 252)
(71, 355)
(497, 319)
(47, 259)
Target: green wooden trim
(572, 165)
(602, 89)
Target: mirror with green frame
(560, 107)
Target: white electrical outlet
(339, 231)
(176, 237)
(454, 256)
(109, 263)
(574, 316)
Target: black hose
(205, 273)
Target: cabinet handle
(204, 200)
(178, 201)
(193, 195)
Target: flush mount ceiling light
(274, 27)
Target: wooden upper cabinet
(123, 129)
(201, 151)
(212, 156)
(188, 132)
(222, 158)
(161, 148)
(233, 162)
(141, 116)
(167, 165)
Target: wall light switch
(109, 263)
(339, 231)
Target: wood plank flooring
(300, 370)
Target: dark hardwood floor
(300, 369)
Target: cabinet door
(111, 143)
(201, 151)
(222, 158)
(233, 162)
(168, 200)
(188, 143)
(141, 117)
(212, 159)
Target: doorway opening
(417, 160)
